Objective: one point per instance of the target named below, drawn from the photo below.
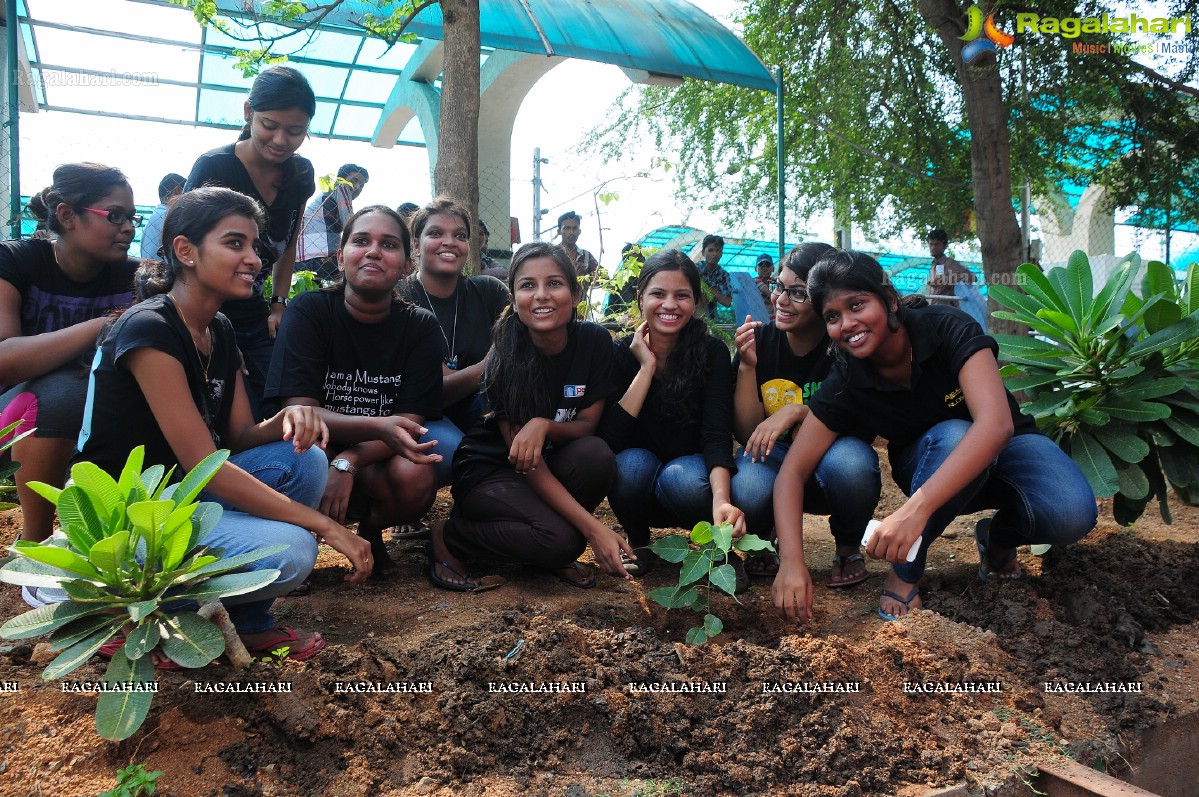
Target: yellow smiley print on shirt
(779, 393)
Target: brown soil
(1120, 606)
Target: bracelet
(279, 300)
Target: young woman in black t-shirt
(167, 377)
(530, 472)
(263, 164)
(54, 297)
(370, 361)
(780, 366)
(927, 380)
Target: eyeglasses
(795, 293)
(118, 217)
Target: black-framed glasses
(118, 217)
(795, 293)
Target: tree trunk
(990, 150)
(457, 172)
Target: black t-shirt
(854, 399)
(50, 300)
(663, 432)
(782, 376)
(118, 418)
(221, 166)
(480, 300)
(389, 368)
(581, 374)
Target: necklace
(207, 339)
(451, 359)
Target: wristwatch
(344, 466)
(279, 300)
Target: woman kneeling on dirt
(369, 361)
(530, 472)
(927, 380)
(672, 428)
(168, 377)
(780, 366)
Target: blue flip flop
(905, 601)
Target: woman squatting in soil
(672, 425)
(780, 366)
(168, 377)
(54, 297)
(927, 380)
(369, 361)
(530, 473)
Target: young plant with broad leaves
(704, 559)
(1111, 375)
(7, 469)
(130, 561)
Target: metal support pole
(782, 167)
(537, 189)
(14, 110)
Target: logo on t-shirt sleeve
(573, 391)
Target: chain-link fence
(495, 211)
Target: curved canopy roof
(82, 55)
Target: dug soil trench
(1121, 608)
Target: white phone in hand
(874, 524)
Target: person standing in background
(944, 272)
(714, 276)
(325, 218)
(569, 228)
(169, 188)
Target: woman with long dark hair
(531, 471)
(780, 366)
(370, 362)
(926, 379)
(263, 164)
(167, 377)
(54, 296)
(672, 424)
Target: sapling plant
(704, 559)
(130, 561)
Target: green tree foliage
(886, 123)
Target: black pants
(503, 519)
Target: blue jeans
(1040, 494)
(846, 487)
(448, 437)
(648, 493)
(301, 477)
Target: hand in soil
(792, 592)
(607, 546)
(352, 547)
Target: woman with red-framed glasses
(54, 298)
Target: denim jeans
(846, 487)
(448, 437)
(302, 479)
(1041, 495)
(648, 493)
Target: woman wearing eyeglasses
(779, 367)
(263, 164)
(54, 297)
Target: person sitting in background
(166, 377)
(324, 220)
(780, 366)
(530, 473)
(370, 361)
(54, 297)
(169, 188)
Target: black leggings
(503, 518)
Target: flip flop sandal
(841, 562)
(764, 564)
(576, 574)
(641, 566)
(988, 568)
(110, 648)
(905, 601)
(467, 584)
(287, 637)
(411, 531)
(305, 588)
